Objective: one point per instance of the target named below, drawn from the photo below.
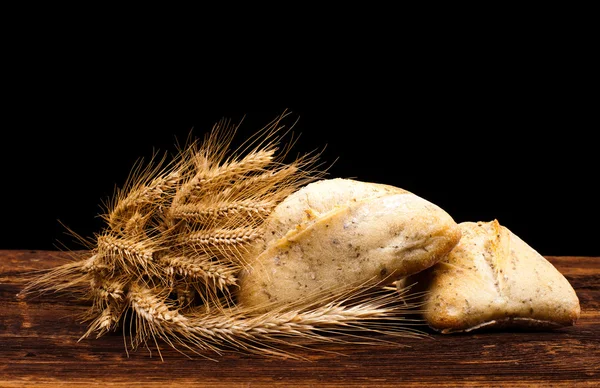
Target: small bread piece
(337, 234)
(492, 278)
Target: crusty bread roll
(492, 278)
(340, 233)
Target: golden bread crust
(339, 234)
(493, 278)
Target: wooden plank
(39, 347)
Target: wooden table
(38, 347)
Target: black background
(494, 127)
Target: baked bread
(492, 278)
(337, 234)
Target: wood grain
(39, 347)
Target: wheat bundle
(177, 235)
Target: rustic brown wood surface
(39, 347)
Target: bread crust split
(493, 279)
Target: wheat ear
(201, 270)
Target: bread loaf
(492, 278)
(340, 233)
